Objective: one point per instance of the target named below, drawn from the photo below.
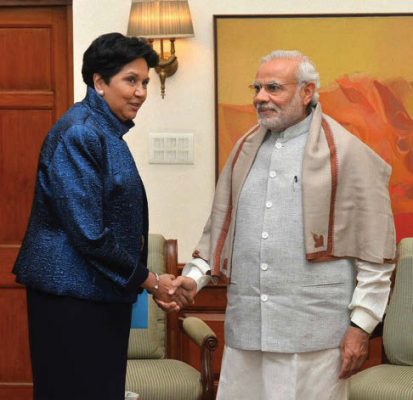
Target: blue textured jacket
(87, 233)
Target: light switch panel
(171, 148)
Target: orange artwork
(373, 102)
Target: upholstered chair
(394, 379)
(149, 372)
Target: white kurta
(259, 375)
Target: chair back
(151, 342)
(398, 324)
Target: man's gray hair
(306, 71)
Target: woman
(84, 255)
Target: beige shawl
(347, 210)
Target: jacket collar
(107, 119)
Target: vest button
(278, 145)
(273, 174)
(264, 266)
(264, 297)
(264, 235)
(268, 204)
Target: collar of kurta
(346, 203)
(111, 122)
(294, 131)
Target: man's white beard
(286, 117)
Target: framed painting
(366, 69)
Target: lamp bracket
(168, 64)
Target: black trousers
(78, 348)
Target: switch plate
(171, 148)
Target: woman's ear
(99, 84)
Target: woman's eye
(131, 79)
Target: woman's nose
(140, 91)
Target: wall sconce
(163, 19)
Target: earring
(100, 92)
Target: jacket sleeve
(75, 180)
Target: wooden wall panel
(19, 166)
(13, 331)
(28, 50)
(35, 90)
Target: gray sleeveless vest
(277, 301)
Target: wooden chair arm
(206, 339)
(171, 256)
(378, 331)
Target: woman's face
(126, 90)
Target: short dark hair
(109, 53)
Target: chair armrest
(197, 330)
(206, 339)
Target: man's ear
(308, 91)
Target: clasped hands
(173, 293)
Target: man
(301, 212)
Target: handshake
(169, 292)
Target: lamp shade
(160, 19)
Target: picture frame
(366, 82)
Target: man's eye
(273, 87)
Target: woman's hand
(159, 286)
(165, 290)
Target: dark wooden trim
(209, 345)
(171, 261)
(24, 99)
(384, 14)
(16, 391)
(69, 13)
(216, 108)
(34, 3)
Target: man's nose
(261, 97)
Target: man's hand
(354, 351)
(183, 290)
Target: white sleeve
(371, 294)
(197, 269)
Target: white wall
(180, 195)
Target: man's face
(285, 102)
